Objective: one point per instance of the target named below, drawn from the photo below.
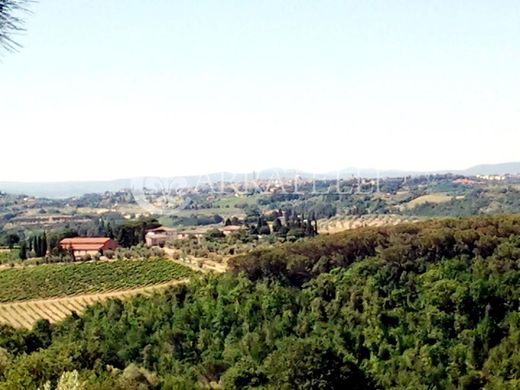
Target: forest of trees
(422, 306)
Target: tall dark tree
(44, 244)
(38, 246)
(23, 251)
(11, 240)
(109, 232)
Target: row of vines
(50, 281)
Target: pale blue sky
(117, 88)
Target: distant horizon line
(351, 170)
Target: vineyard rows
(341, 223)
(25, 314)
(52, 281)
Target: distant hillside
(494, 169)
(78, 188)
(63, 189)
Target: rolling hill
(67, 189)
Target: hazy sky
(118, 88)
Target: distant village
(282, 209)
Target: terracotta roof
(84, 243)
(85, 247)
(161, 229)
(84, 240)
(194, 231)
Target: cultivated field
(25, 314)
(432, 198)
(65, 280)
(341, 223)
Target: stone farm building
(159, 236)
(227, 230)
(82, 246)
(194, 233)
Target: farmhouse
(159, 236)
(195, 233)
(82, 246)
(227, 230)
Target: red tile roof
(161, 229)
(85, 247)
(84, 243)
(85, 240)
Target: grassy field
(8, 255)
(432, 198)
(50, 281)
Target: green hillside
(432, 305)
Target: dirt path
(25, 314)
(200, 264)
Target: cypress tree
(109, 232)
(23, 251)
(39, 246)
(44, 244)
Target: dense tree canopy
(423, 306)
